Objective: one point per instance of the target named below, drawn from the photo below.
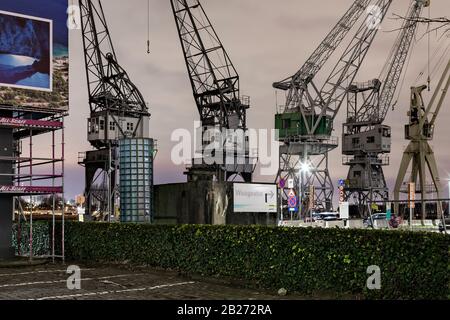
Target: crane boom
(215, 86)
(335, 87)
(326, 102)
(110, 87)
(332, 41)
(376, 108)
(213, 77)
(445, 75)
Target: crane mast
(117, 110)
(305, 123)
(215, 86)
(365, 139)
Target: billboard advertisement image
(254, 198)
(34, 54)
(25, 52)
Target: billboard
(258, 198)
(34, 54)
(25, 52)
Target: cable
(72, 13)
(148, 26)
(441, 60)
(433, 58)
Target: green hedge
(414, 265)
(41, 238)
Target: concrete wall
(202, 202)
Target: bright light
(305, 167)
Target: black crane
(215, 86)
(117, 109)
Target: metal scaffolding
(32, 174)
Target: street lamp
(305, 168)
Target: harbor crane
(420, 131)
(215, 86)
(365, 139)
(117, 109)
(306, 122)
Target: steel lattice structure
(114, 101)
(419, 153)
(366, 141)
(317, 108)
(215, 84)
(110, 88)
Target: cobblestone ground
(49, 282)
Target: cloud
(267, 41)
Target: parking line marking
(23, 284)
(34, 272)
(79, 295)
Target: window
(130, 126)
(96, 125)
(286, 123)
(355, 140)
(102, 125)
(112, 126)
(371, 139)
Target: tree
(47, 202)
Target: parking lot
(49, 282)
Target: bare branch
(443, 23)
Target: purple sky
(267, 41)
